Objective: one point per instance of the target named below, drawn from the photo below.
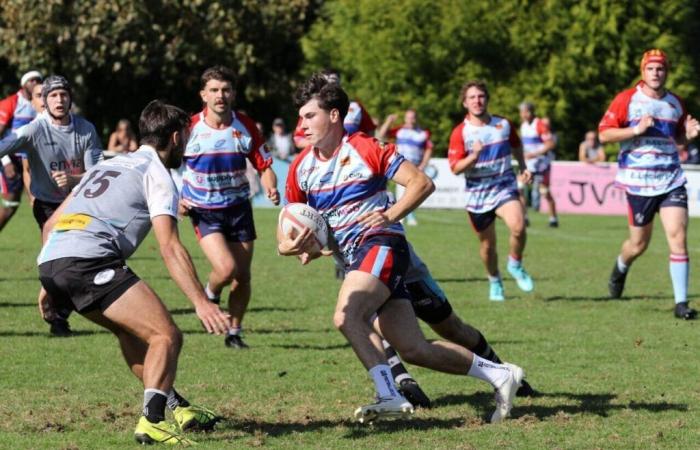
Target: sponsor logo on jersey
(220, 143)
(72, 222)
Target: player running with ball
(344, 178)
(649, 121)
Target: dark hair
(219, 73)
(480, 85)
(329, 95)
(158, 121)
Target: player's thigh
(140, 312)
(487, 236)
(218, 252)
(399, 326)
(512, 214)
(360, 296)
(675, 222)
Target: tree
(568, 57)
(120, 54)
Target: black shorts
(481, 221)
(235, 222)
(429, 301)
(42, 211)
(641, 210)
(86, 284)
(386, 257)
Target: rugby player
(538, 146)
(481, 148)
(345, 179)
(649, 121)
(412, 142)
(15, 111)
(215, 192)
(82, 266)
(60, 146)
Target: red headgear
(653, 56)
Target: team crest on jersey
(498, 126)
(345, 161)
(236, 134)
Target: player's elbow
(604, 137)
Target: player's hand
(213, 319)
(692, 128)
(46, 307)
(307, 257)
(644, 124)
(10, 171)
(526, 176)
(375, 219)
(297, 245)
(273, 195)
(391, 118)
(60, 177)
(183, 208)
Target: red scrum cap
(654, 56)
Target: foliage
(568, 57)
(120, 54)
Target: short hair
(219, 73)
(158, 121)
(329, 95)
(527, 105)
(480, 85)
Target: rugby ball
(294, 217)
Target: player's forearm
(182, 271)
(612, 135)
(268, 179)
(11, 143)
(417, 190)
(465, 164)
(381, 133)
(426, 159)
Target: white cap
(30, 75)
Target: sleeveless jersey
(492, 177)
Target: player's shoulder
(363, 142)
(625, 96)
(674, 98)
(195, 119)
(246, 121)
(497, 119)
(82, 124)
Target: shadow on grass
(586, 403)
(24, 278)
(185, 311)
(311, 346)
(606, 298)
(45, 334)
(354, 429)
(18, 305)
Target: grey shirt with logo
(111, 209)
(72, 148)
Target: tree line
(568, 57)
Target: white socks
(492, 373)
(383, 381)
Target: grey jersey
(111, 209)
(71, 148)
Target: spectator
(590, 150)
(280, 142)
(692, 154)
(123, 139)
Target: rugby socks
(398, 370)
(214, 298)
(381, 375)
(484, 350)
(678, 265)
(492, 373)
(235, 331)
(175, 400)
(621, 266)
(154, 402)
(514, 261)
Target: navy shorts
(86, 284)
(12, 186)
(235, 222)
(641, 210)
(386, 257)
(481, 221)
(42, 211)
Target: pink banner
(586, 189)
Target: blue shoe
(496, 291)
(523, 278)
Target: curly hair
(329, 95)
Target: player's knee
(340, 320)
(415, 354)
(638, 246)
(241, 276)
(225, 269)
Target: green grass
(616, 374)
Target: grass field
(615, 374)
